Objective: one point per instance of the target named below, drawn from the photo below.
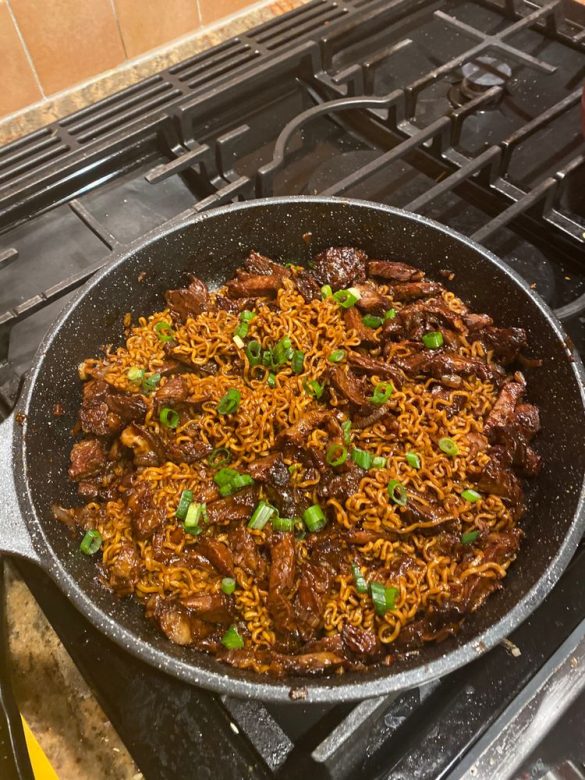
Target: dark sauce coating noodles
(420, 516)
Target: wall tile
(146, 25)
(212, 10)
(19, 87)
(69, 40)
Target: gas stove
(468, 112)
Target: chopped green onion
(326, 291)
(135, 374)
(91, 542)
(372, 321)
(346, 428)
(254, 353)
(267, 358)
(336, 455)
(397, 492)
(389, 314)
(360, 583)
(314, 388)
(238, 482)
(183, 505)
(271, 380)
(469, 537)
(238, 341)
(314, 518)
(261, 515)
(297, 361)
(228, 585)
(470, 495)
(241, 331)
(164, 331)
(221, 456)
(384, 598)
(336, 356)
(230, 402)
(169, 417)
(448, 446)
(382, 393)
(362, 458)
(151, 383)
(281, 352)
(433, 340)
(224, 476)
(346, 298)
(232, 639)
(413, 460)
(247, 316)
(378, 462)
(194, 514)
(284, 524)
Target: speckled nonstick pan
(34, 453)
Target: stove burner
(479, 75)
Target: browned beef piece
(280, 664)
(412, 291)
(364, 364)
(353, 321)
(308, 286)
(439, 364)
(506, 343)
(503, 409)
(453, 403)
(476, 442)
(341, 486)
(340, 267)
(246, 552)
(187, 365)
(174, 391)
(417, 318)
(498, 477)
(328, 548)
(273, 473)
(313, 588)
(212, 607)
(371, 299)
(104, 410)
(379, 413)
(145, 515)
(254, 285)
(227, 304)
(127, 407)
(362, 642)
(180, 627)
(124, 572)
(187, 451)
(514, 438)
(475, 322)
(271, 467)
(394, 271)
(297, 434)
(150, 449)
(281, 583)
(310, 663)
(350, 387)
(217, 553)
(237, 507)
(188, 301)
(526, 420)
(261, 265)
(88, 458)
(429, 516)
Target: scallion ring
(372, 321)
(382, 393)
(247, 316)
(360, 583)
(282, 524)
(469, 537)
(164, 331)
(336, 455)
(282, 352)
(326, 291)
(230, 402)
(470, 495)
(314, 518)
(346, 298)
(242, 330)
(220, 456)
(433, 339)
(389, 314)
(135, 374)
(261, 515)
(232, 639)
(150, 383)
(254, 353)
(297, 361)
(314, 388)
(169, 417)
(271, 380)
(413, 460)
(228, 585)
(91, 542)
(362, 458)
(336, 356)
(346, 428)
(384, 598)
(397, 492)
(378, 462)
(448, 446)
(184, 503)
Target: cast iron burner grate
(466, 111)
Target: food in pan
(309, 470)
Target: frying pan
(35, 445)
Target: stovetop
(468, 112)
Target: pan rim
(274, 689)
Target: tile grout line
(119, 28)
(27, 54)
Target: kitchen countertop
(64, 716)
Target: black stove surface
(467, 112)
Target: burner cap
(479, 75)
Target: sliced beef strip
(237, 507)
(341, 486)
(418, 318)
(270, 468)
(506, 343)
(260, 265)
(412, 291)
(174, 391)
(212, 607)
(503, 409)
(439, 364)
(371, 299)
(364, 364)
(298, 433)
(188, 301)
(181, 627)
(453, 403)
(145, 515)
(379, 413)
(124, 571)
(188, 451)
(104, 410)
(281, 583)
(498, 478)
(313, 588)
(340, 267)
(254, 286)
(350, 387)
(217, 553)
(88, 458)
(394, 271)
(428, 516)
(308, 286)
(353, 321)
(362, 642)
(246, 553)
(280, 664)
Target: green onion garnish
(135, 374)
(384, 598)
(346, 428)
(91, 542)
(247, 316)
(254, 353)
(433, 340)
(194, 514)
(448, 446)
(360, 583)
(267, 358)
(347, 298)
(314, 518)
(230, 402)
(242, 330)
(232, 639)
(298, 361)
(314, 388)
(224, 476)
(228, 585)
(281, 352)
(238, 482)
(169, 417)
(261, 515)
(336, 455)
(389, 314)
(151, 383)
(271, 380)
(183, 505)
(362, 458)
(397, 492)
(326, 291)
(413, 460)
(470, 495)
(378, 462)
(382, 393)
(283, 524)
(164, 331)
(336, 356)
(469, 537)
(221, 456)
(372, 321)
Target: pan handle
(14, 536)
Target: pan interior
(212, 247)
